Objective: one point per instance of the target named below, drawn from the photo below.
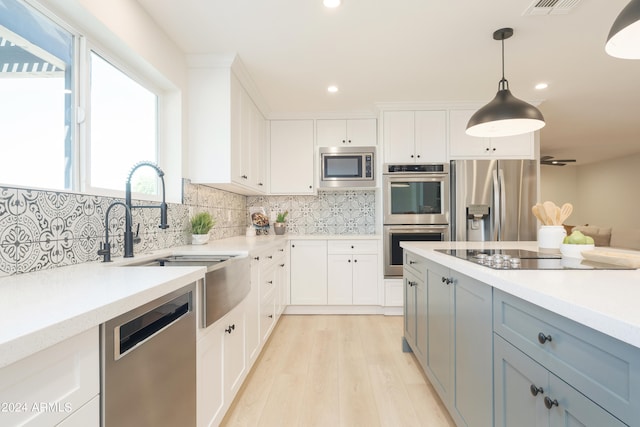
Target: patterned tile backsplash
(47, 229)
(330, 212)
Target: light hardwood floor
(337, 371)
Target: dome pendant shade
(505, 115)
(624, 37)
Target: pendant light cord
(503, 84)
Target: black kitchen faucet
(128, 232)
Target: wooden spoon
(565, 211)
(541, 214)
(550, 212)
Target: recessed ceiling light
(541, 86)
(332, 89)
(331, 3)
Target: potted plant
(201, 224)
(280, 225)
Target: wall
(45, 229)
(603, 193)
(608, 192)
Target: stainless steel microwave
(345, 167)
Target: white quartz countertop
(605, 300)
(40, 309)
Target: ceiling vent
(551, 7)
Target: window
(40, 63)
(123, 124)
(36, 92)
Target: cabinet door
(252, 305)
(439, 346)
(515, 146)
(410, 315)
(362, 132)
(331, 133)
(210, 379)
(473, 358)
(339, 280)
(308, 268)
(365, 279)
(258, 149)
(461, 145)
(431, 136)
(399, 136)
(515, 375)
(292, 157)
(232, 330)
(574, 409)
(240, 133)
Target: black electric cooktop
(520, 259)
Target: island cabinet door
(520, 387)
(473, 356)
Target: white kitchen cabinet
(53, 385)
(352, 272)
(221, 366)
(463, 146)
(415, 136)
(358, 132)
(308, 272)
(252, 305)
(292, 159)
(227, 138)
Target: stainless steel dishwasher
(149, 364)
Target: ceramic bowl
(574, 251)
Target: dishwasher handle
(135, 332)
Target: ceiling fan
(548, 160)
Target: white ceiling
(380, 51)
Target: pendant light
(624, 37)
(505, 115)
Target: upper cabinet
(331, 133)
(227, 132)
(292, 157)
(415, 136)
(463, 146)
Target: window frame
(83, 45)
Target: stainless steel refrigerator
(492, 200)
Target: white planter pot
(280, 227)
(199, 239)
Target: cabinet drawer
(352, 246)
(604, 369)
(415, 264)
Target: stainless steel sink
(227, 280)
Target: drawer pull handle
(542, 338)
(447, 280)
(550, 403)
(535, 390)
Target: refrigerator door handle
(503, 201)
(496, 205)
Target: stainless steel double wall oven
(416, 208)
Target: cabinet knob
(412, 283)
(281, 250)
(344, 141)
(270, 316)
(260, 184)
(270, 282)
(310, 187)
(550, 403)
(349, 141)
(270, 256)
(418, 156)
(348, 260)
(281, 265)
(447, 280)
(412, 156)
(293, 246)
(244, 177)
(351, 246)
(230, 328)
(411, 262)
(257, 258)
(487, 149)
(535, 390)
(542, 338)
(493, 149)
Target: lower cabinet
(308, 272)
(527, 394)
(56, 386)
(221, 366)
(562, 372)
(448, 325)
